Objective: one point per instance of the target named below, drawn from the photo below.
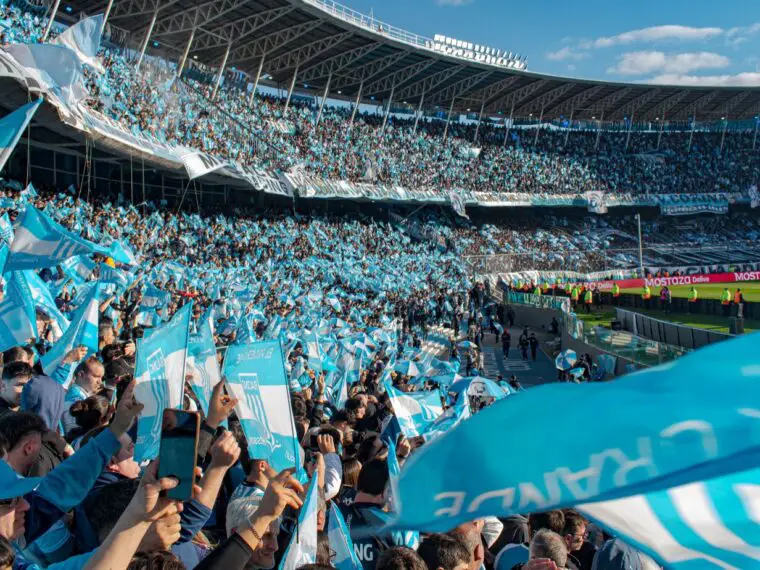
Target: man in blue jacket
(30, 506)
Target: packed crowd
(387, 311)
(261, 133)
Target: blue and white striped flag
(160, 377)
(6, 228)
(154, 298)
(451, 418)
(41, 242)
(302, 548)
(415, 411)
(18, 321)
(12, 127)
(121, 253)
(711, 524)
(340, 542)
(675, 429)
(201, 362)
(83, 331)
(256, 377)
(78, 269)
(44, 301)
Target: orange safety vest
(737, 297)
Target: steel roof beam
(307, 52)
(397, 77)
(336, 63)
(576, 101)
(239, 29)
(369, 70)
(662, 108)
(540, 102)
(633, 107)
(696, 106)
(426, 84)
(132, 8)
(516, 96)
(729, 106)
(186, 20)
(489, 92)
(267, 44)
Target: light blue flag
(154, 298)
(340, 542)
(43, 299)
(415, 411)
(256, 377)
(201, 362)
(303, 544)
(121, 253)
(78, 269)
(83, 331)
(659, 428)
(18, 321)
(12, 126)
(6, 228)
(451, 418)
(394, 472)
(338, 391)
(711, 524)
(160, 376)
(41, 242)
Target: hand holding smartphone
(179, 450)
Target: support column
(290, 93)
(599, 131)
(107, 13)
(388, 109)
(662, 128)
(256, 82)
(569, 125)
(419, 112)
(538, 126)
(324, 98)
(221, 72)
(448, 119)
(693, 126)
(49, 25)
(628, 136)
(480, 119)
(186, 53)
(754, 138)
(508, 125)
(148, 34)
(723, 136)
(356, 105)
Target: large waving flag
(160, 376)
(451, 418)
(12, 126)
(202, 365)
(415, 411)
(303, 544)
(121, 253)
(83, 331)
(256, 377)
(6, 228)
(18, 320)
(340, 542)
(40, 242)
(44, 301)
(675, 428)
(83, 38)
(711, 524)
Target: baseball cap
(13, 485)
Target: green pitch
(750, 289)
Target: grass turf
(710, 322)
(750, 290)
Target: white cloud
(453, 2)
(566, 53)
(644, 62)
(745, 79)
(740, 34)
(654, 34)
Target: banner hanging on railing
(689, 204)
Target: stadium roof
(320, 39)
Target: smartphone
(179, 450)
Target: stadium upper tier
(318, 44)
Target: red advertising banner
(688, 280)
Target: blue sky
(690, 42)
